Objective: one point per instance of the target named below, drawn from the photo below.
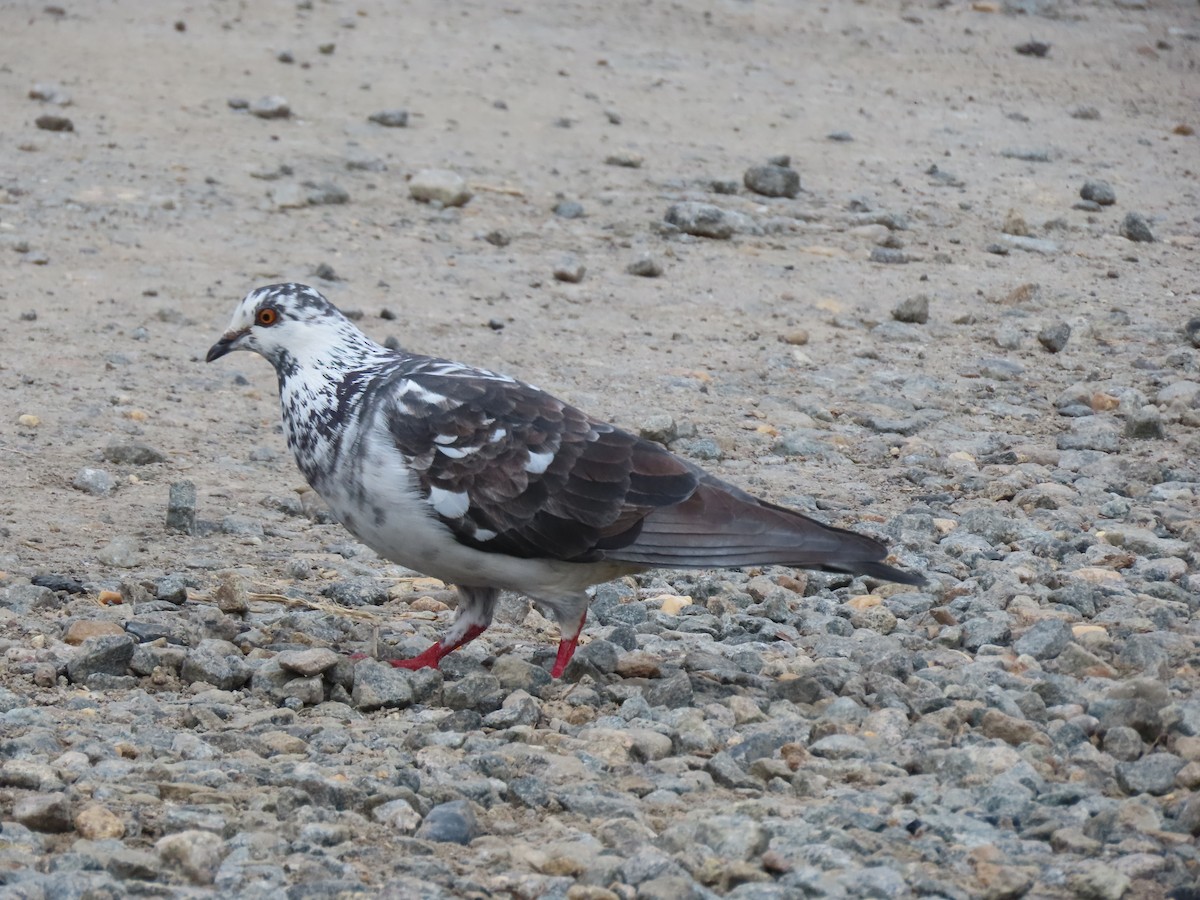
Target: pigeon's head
(291, 325)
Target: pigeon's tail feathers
(718, 527)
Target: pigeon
(489, 483)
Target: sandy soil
(126, 242)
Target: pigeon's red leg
(475, 606)
(567, 645)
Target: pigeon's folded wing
(510, 469)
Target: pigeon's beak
(226, 344)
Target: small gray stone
(218, 663)
(47, 813)
(914, 310)
(479, 691)
(1031, 244)
(379, 685)
(1055, 337)
(1094, 880)
(451, 823)
(772, 181)
(726, 772)
(568, 209)
(51, 122)
(123, 552)
(181, 507)
(1135, 228)
(645, 266)
(93, 481)
(1045, 640)
(1192, 330)
(440, 186)
(133, 454)
(1123, 743)
(1145, 424)
(672, 692)
(325, 193)
(1085, 113)
(1152, 774)
(308, 662)
(172, 588)
(701, 219)
(270, 108)
(197, 854)
(890, 256)
(1099, 192)
(109, 654)
(390, 118)
(1091, 433)
(568, 268)
(21, 598)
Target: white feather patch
(455, 452)
(448, 503)
(539, 462)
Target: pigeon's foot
(430, 658)
(566, 648)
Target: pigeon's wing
(510, 469)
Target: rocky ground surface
(923, 269)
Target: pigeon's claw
(566, 648)
(430, 658)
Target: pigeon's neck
(320, 390)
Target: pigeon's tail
(720, 525)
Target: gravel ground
(926, 270)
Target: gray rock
(568, 268)
(133, 454)
(361, 591)
(123, 552)
(109, 654)
(1188, 818)
(1099, 192)
(439, 186)
(450, 823)
(52, 122)
(21, 598)
(480, 691)
(645, 266)
(701, 219)
(992, 628)
(1045, 640)
(915, 310)
(1030, 244)
(772, 181)
(1085, 113)
(1091, 433)
(379, 685)
(1135, 228)
(197, 854)
(390, 118)
(726, 772)
(1094, 880)
(568, 209)
(218, 663)
(672, 692)
(325, 193)
(1054, 337)
(181, 507)
(1145, 424)
(272, 107)
(308, 662)
(889, 256)
(671, 887)
(47, 813)
(172, 588)
(1152, 774)
(1123, 743)
(93, 481)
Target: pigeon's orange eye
(266, 316)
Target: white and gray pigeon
(491, 484)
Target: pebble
(1145, 424)
(450, 823)
(439, 186)
(568, 209)
(181, 507)
(196, 854)
(645, 266)
(625, 159)
(1086, 113)
(381, 686)
(271, 107)
(569, 268)
(98, 823)
(390, 118)
(1054, 337)
(122, 551)
(52, 122)
(772, 180)
(1031, 244)
(93, 481)
(914, 310)
(1135, 228)
(133, 454)
(105, 654)
(701, 219)
(47, 813)
(1098, 192)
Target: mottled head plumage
(291, 324)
